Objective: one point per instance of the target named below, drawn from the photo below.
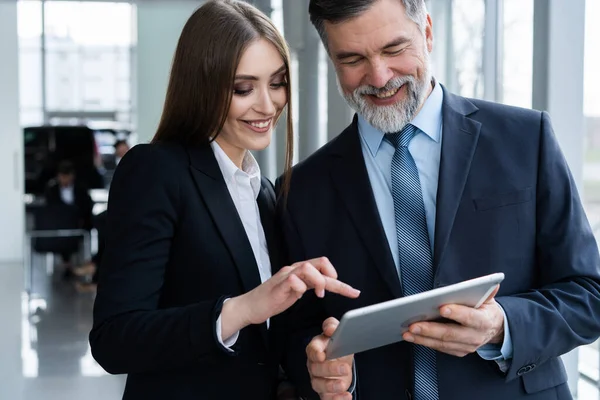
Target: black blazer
(81, 200)
(506, 202)
(175, 249)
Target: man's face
(121, 149)
(382, 63)
(65, 180)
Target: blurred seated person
(121, 147)
(88, 272)
(110, 163)
(64, 189)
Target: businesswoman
(186, 296)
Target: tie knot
(402, 138)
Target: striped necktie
(414, 248)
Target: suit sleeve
(87, 210)
(52, 194)
(304, 319)
(131, 332)
(565, 311)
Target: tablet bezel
(421, 304)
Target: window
(591, 105)
(277, 14)
(517, 49)
(84, 64)
(589, 356)
(457, 58)
(29, 20)
(468, 18)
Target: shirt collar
(429, 121)
(228, 168)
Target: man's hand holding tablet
(474, 319)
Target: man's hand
(473, 328)
(330, 379)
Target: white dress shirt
(67, 194)
(244, 187)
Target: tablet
(384, 323)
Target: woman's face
(259, 96)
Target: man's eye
(353, 61)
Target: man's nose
(379, 74)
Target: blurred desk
(51, 234)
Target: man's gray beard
(392, 118)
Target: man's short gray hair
(335, 11)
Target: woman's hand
(280, 292)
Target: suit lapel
(209, 181)
(460, 135)
(350, 178)
(266, 207)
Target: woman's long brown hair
(203, 72)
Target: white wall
(159, 24)
(11, 150)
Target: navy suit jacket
(506, 202)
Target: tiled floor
(44, 351)
(55, 360)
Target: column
(12, 211)
(159, 24)
(306, 45)
(267, 158)
(339, 113)
(558, 54)
(263, 5)
(442, 57)
(492, 51)
(559, 32)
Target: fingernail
(322, 293)
(446, 312)
(416, 330)
(409, 338)
(342, 370)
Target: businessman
(424, 189)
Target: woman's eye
(241, 91)
(279, 85)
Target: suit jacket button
(525, 369)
